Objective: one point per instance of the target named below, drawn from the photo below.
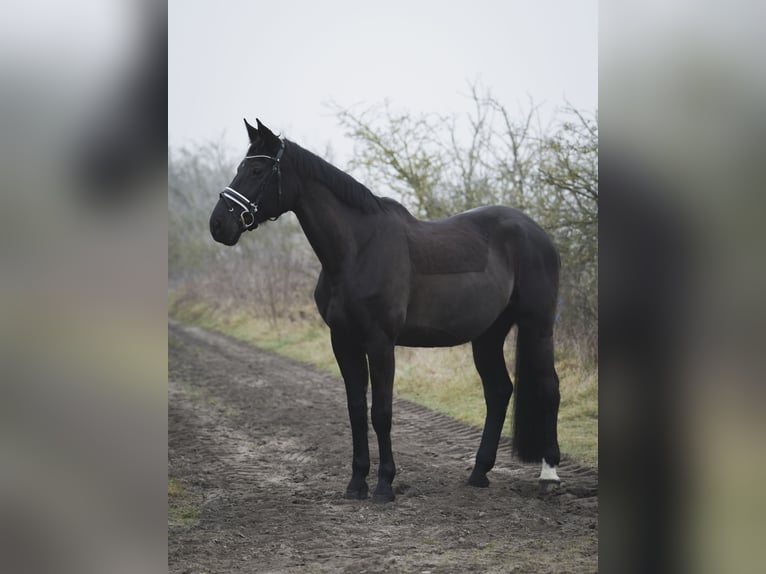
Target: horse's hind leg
(489, 360)
(353, 366)
(537, 400)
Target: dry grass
(442, 379)
(183, 509)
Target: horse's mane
(346, 188)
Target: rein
(250, 208)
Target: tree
(568, 208)
(400, 151)
(194, 175)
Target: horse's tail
(537, 385)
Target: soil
(261, 448)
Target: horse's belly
(452, 309)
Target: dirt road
(261, 447)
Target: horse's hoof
(478, 481)
(383, 496)
(360, 493)
(356, 494)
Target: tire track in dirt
(262, 445)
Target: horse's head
(255, 193)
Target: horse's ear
(263, 131)
(252, 132)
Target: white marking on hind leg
(548, 473)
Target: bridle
(249, 208)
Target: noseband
(249, 208)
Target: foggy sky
(283, 63)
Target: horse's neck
(328, 224)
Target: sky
(283, 62)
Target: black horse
(389, 279)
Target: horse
(389, 279)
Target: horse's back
(462, 243)
(455, 244)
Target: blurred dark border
(682, 102)
(83, 288)
(84, 284)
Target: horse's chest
(341, 306)
(365, 303)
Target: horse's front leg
(353, 367)
(381, 359)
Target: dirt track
(262, 446)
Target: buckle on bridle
(248, 214)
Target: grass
(442, 379)
(182, 511)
